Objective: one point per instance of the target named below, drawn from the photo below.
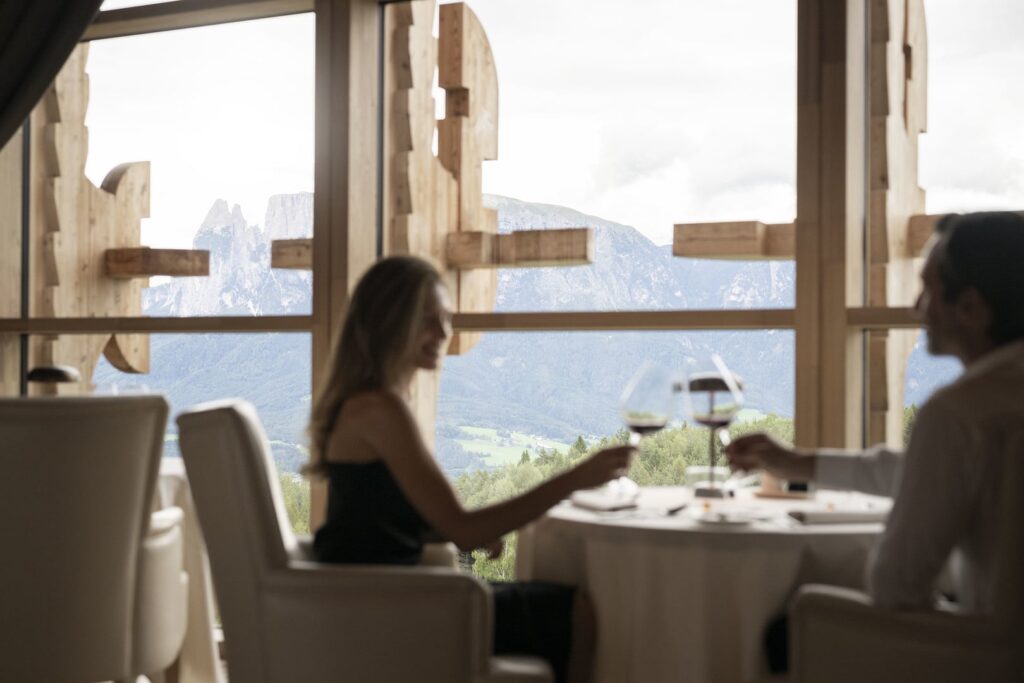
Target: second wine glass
(713, 397)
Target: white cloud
(648, 113)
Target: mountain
(555, 385)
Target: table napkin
(601, 501)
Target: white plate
(725, 518)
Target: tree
(524, 459)
(295, 491)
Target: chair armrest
(517, 670)
(440, 555)
(304, 548)
(161, 594)
(423, 623)
(837, 635)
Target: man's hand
(494, 549)
(762, 452)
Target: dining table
(684, 587)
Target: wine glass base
(622, 488)
(710, 492)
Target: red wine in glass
(644, 427)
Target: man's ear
(972, 311)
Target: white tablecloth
(682, 601)
(199, 657)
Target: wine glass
(646, 406)
(713, 396)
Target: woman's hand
(603, 466)
(762, 452)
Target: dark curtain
(36, 37)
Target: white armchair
(837, 635)
(289, 619)
(91, 586)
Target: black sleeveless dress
(370, 521)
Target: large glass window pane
(973, 155)
(224, 115)
(272, 371)
(519, 407)
(631, 121)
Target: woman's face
(435, 329)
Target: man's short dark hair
(985, 252)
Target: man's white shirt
(945, 486)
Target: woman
(387, 493)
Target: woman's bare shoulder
(375, 403)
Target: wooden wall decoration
(898, 67)
(85, 260)
(10, 262)
(433, 202)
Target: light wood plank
(345, 172)
(144, 262)
(169, 16)
(140, 324)
(883, 317)
(740, 240)
(830, 210)
(520, 249)
(10, 261)
(758, 319)
(296, 254)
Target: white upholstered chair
(91, 583)
(287, 618)
(839, 637)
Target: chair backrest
(241, 511)
(76, 489)
(1009, 571)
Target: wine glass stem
(711, 450)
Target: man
(945, 486)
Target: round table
(682, 600)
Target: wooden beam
(10, 260)
(145, 262)
(296, 254)
(831, 189)
(520, 249)
(747, 319)
(170, 16)
(345, 172)
(920, 230)
(740, 240)
(883, 317)
(100, 325)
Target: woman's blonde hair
(379, 331)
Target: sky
(676, 111)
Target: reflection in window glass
(631, 121)
(224, 115)
(272, 371)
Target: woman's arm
(388, 426)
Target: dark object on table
(54, 373)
